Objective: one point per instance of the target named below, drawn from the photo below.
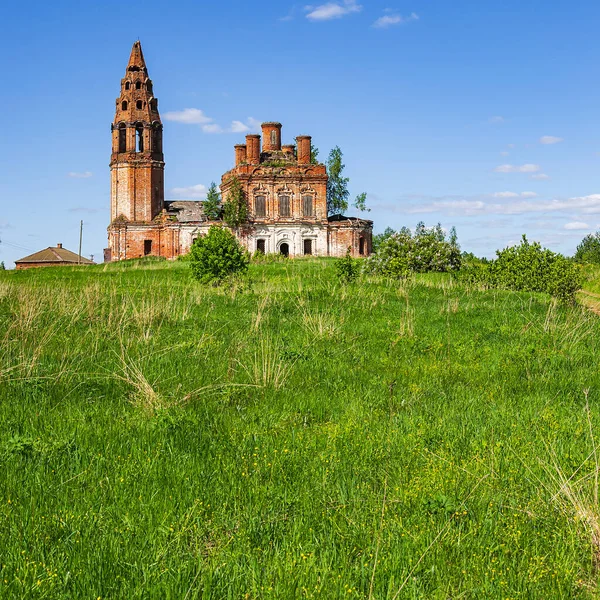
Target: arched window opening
(308, 247)
(307, 206)
(122, 138)
(260, 246)
(139, 131)
(260, 206)
(361, 246)
(284, 206)
(147, 247)
(124, 105)
(149, 86)
(284, 249)
(138, 85)
(154, 105)
(139, 105)
(127, 85)
(133, 69)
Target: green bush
(427, 250)
(528, 267)
(588, 250)
(472, 269)
(347, 268)
(379, 238)
(217, 255)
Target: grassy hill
(295, 438)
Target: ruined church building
(285, 192)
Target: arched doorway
(284, 249)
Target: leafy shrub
(347, 268)
(528, 267)
(381, 237)
(472, 269)
(564, 280)
(217, 255)
(588, 250)
(428, 249)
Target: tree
(2, 267)
(360, 202)
(235, 208)
(314, 152)
(217, 255)
(212, 204)
(337, 184)
(589, 249)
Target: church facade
(285, 193)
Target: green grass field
(295, 438)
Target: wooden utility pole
(80, 237)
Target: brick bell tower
(137, 162)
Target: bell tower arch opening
(139, 137)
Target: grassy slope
(159, 439)
(590, 294)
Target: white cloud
(84, 175)
(505, 153)
(251, 124)
(193, 191)
(195, 116)
(389, 20)
(514, 195)
(528, 168)
(577, 226)
(238, 127)
(212, 128)
(496, 120)
(190, 116)
(550, 139)
(506, 195)
(254, 124)
(515, 206)
(332, 10)
(540, 176)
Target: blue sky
(475, 114)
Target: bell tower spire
(137, 161)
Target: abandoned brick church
(285, 192)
